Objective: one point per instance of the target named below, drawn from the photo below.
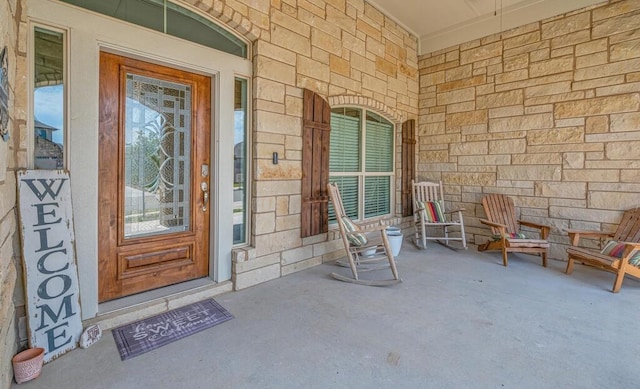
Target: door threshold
(139, 306)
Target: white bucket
(395, 239)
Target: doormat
(151, 333)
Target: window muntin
(240, 162)
(48, 99)
(171, 19)
(361, 162)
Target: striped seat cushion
(616, 249)
(433, 211)
(510, 235)
(354, 239)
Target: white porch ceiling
(439, 24)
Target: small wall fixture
(275, 158)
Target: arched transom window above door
(171, 19)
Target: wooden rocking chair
(621, 255)
(367, 249)
(429, 211)
(501, 215)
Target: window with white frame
(361, 162)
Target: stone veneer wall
(548, 113)
(348, 52)
(10, 11)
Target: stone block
(326, 42)
(556, 136)
(275, 70)
(597, 125)
(481, 53)
(457, 84)
(311, 68)
(618, 89)
(573, 160)
(500, 99)
(456, 96)
(612, 200)
(284, 170)
(469, 148)
(461, 107)
(516, 62)
(466, 118)
(277, 188)
(387, 67)
(287, 222)
(512, 76)
(630, 175)
(591, 175)
(433, 156)
(264, 223)
(297, 255)
(598, 106)
(323, 248)
(530, 172)
(536, 159)
(563, 45)
(505, 111)
(585, 215)
(548, 89)
(432, 79)
(566, 25)
(457, 73)
(539, 55)
(530, 48)
(606, 70)
(290, 23)
(572, 122)
(479, 179)
(615, 25)
(591, 47)
(264, 204)
(257, 276)
(282, 205)
(551, 66)
(538, 109)
(266, 150)
(629, 150)
(484, 160)
(521, 123)
(277, 242)
(625, 122)
(570, 190)
(507, 146)
(431, 128)
(592, 60)
(339, 65)
(520, 40)
(302, 265)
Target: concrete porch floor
(459, 320)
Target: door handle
(205, 192)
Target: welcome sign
(49, 261)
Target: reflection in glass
(48, 98)
(240, 162)
(169, 18)
(157, 156)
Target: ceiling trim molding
(515, 16)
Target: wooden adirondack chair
(429, 211)
(501, 217)
(367, 249)
(620, 256)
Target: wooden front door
(154, 164)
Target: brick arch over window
(226, 15)
(408, 140)
(369, 103)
